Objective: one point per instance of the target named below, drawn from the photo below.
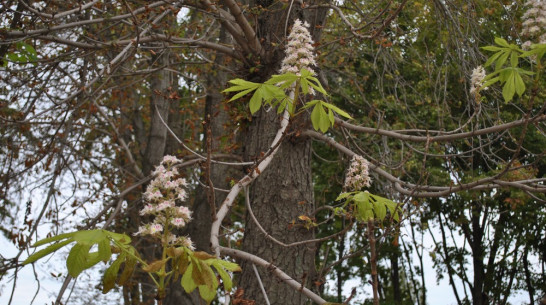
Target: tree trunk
(284, 190)
(281, 194)
(478, 297)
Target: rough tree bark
(284, 191)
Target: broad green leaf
(92, 259)
(226, 279)
(324, 121)
(187, 280)
(311, 103)
(208, 294)
(343, 196)
(490, 82)
(315, 116)
(282, 106)
(52, 239)
(50, 249)
(89, 236)
(304, 85)
(380, 210)
(286, 79)
(111, 273)
(77, 259)
(337, 110)
(121, 238)
(520, 85)
(241, 94)
(509, 88)
(104, 250)
(331, 117)
(314, 82)
(255, 102)
(492, 48)
(501, 42)
(128, 268)
(233, 267)
(514, 59)
(493, 58)
(502, 59)
(208, 274)
(361, 197)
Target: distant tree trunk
(395, 277)
(214, 175)
(161, 82)
(478, 297)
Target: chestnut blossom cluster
(534, 23)
(299, 50)
(476, 79)
(358, 175)
(161, 197)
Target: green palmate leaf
(314, 82)
(52, 239)
(111, 273)
(187, 280)
(50, 249)
(77, 259)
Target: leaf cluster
(81, 258)
(273, 93)
(511, 75)
(367, 206)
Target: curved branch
(441, 138)
(275, 270)
(414, 190)
(16, 34)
